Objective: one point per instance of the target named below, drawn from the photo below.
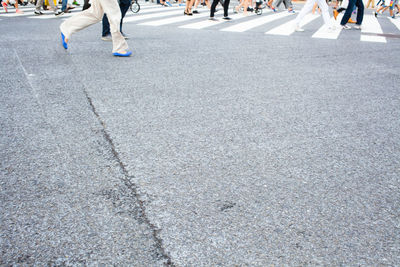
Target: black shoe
(212, 19)
(226, 18)
(60, 13)
(38, 13)
(195, 12)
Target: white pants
(95, 14)
(308, 7)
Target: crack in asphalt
(132, 186)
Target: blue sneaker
(168, 3)
(182, 4)
(127, 54)
(65, 45)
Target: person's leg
(106, 26)
(86, 5)
(124, 6)
(111, 8)
(213, 6)
(53, 6)
(82, 20)
(304, 11)
(360, 11)
(347, 14)
(314, 8)
(276, 4)
(64, 5)
(226, 7)
(39, 4)
(325, 11)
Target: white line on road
(175, 19)
(244, 26)
(396, 22)
(288, 27)
(153, 15)
(371, 25)
(207, 23)
(325, 32)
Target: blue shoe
(182, 5)
(127, 54)
(63, 41)
(168, 3)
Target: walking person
(39, 5)
(308, 6)
(93, 15)
(214, 5)
(106, 34)
(349, 10)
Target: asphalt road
(205, 148)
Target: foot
(195, 12)
(357, 27)
(107, 38)
(38, 13)
(75, 3)
(345, 27)
(226, 18)
(122, 54)
(375, 14)
(64, 41)
(168, 3)
(291, 11)
(19, 11)
(212, 19)
(335, 13)
(60, 13)
(351, 21)
(4, 6)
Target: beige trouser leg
(93, 15)
(39, 5)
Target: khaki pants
(39, 5)
(95, 14)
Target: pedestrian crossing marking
(288, 27)
(153, 15)
(324, 32)
(245, 26)
(174, 19)
(207, 23)
(395, 22)
(371, 25)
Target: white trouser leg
(111, 8)
(95, 14)
(304, 11)
(83, 19)
(325, 11)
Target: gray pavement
(205, 148)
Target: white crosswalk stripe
(174, 19)
(396, 22)
(139, 17)
(281, 23)
(324, 32)
(245, 26)
(371, 25)
(288, 27)
(207, 23)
